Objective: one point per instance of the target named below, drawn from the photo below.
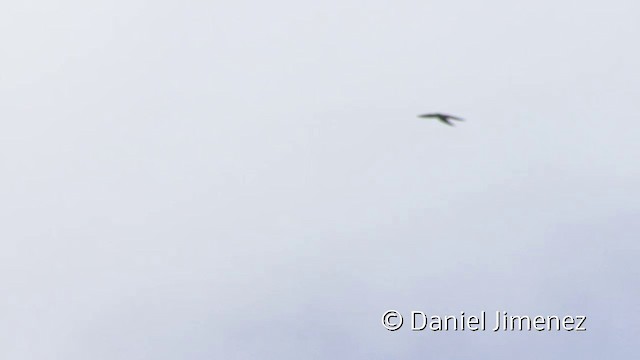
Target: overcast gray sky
(249, 180)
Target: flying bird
(442, 117)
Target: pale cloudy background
(248, 179)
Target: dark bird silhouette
(442, 117)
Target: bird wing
(455, 118)
(446, 121)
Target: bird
(442, 117)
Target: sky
(249, 180)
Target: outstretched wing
(454, 117)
